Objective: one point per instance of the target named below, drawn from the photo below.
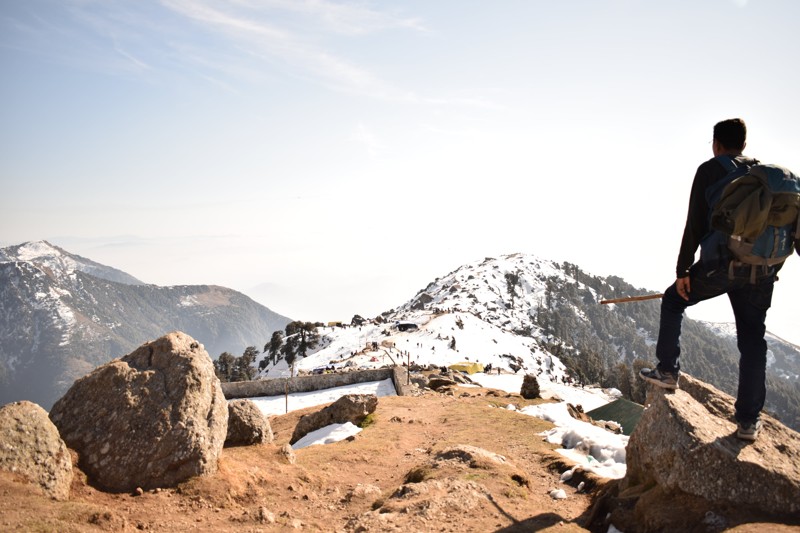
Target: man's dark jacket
(697, 219)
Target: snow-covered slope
(430, 344)
(504, 291)
(783, 358)
(467, 316)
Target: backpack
(754, 216)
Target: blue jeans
(750, 302)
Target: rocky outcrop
(31, 447)
(684, 454)
(440, 382)
(353, 408)
(530, 387)
(152, 419)
(247, 424)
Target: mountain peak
(31, 251)
(60, 263)
(505, 291)
(36, 249)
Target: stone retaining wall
(280, 386)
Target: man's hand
(684, 287)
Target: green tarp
(624, 412)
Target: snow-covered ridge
(45, 256)
(61, 264)
(464, 316)
(726, 329)
(506, 291)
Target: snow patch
(328, 435)
(188, 301)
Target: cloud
(225, 43)
(344, 18)
(297, 51)
(136, 62)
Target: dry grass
(385, 477)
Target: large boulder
(353, 408)
(247, 424)
(530, 387)
(151, 419)
(31, 447)
(441, 382)
(684, 454)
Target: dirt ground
(447, 463)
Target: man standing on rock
(749, 290)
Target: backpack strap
(797, 227)
(797, 233)
(728, 163)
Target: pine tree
(300, 338)
(244, 369)
(274, 346)
(512, 280)
(224, 366)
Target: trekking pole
(632, 299)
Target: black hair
(731, 133)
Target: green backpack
(754, 216)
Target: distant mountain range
(61, 315)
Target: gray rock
(152, 419)
(420, 380)
(31, 447)
(247, 424)
(685, 448)
(288, 453)
(352, 408)
(363, 492)
(471, 455)
(436, 382)
(459, 377)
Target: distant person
(749, 289)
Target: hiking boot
(665, 380)
(748, 431)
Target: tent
(466, 366)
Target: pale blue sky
(347, 153)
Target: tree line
(294, 342)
